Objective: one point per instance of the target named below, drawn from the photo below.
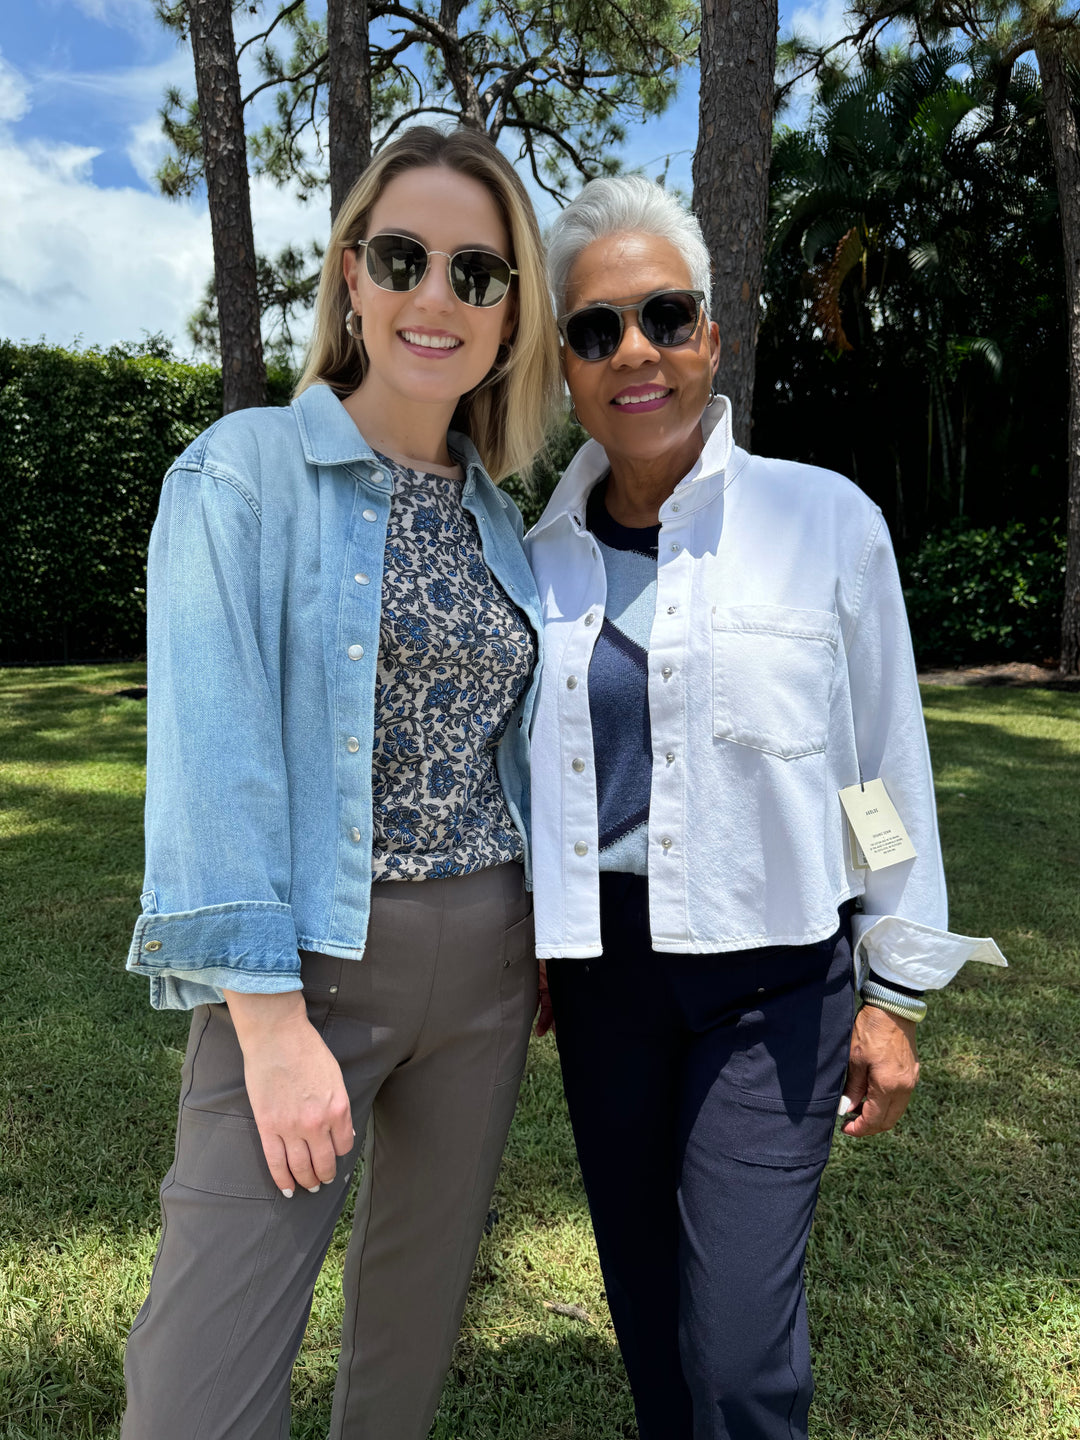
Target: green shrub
(533, 494)
(85, 438)
(991, 594)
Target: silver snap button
(674, 548)
(362, 579)
(152, 945)
(356, 652)
(333, 989)
(671, 609)
(370, 515)
(571, 683)
(666, 672)
(670, 757)
(666, 843)
(674, 509)
(354, 835)
(352, 744)
(589, 618)
(581, 848)
(577, 765)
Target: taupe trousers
(430, 1030)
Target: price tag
(878, 837)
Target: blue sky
(88, 248)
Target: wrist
(256, 1016)
(893, 1002)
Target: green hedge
(991, 594)
(85, 438)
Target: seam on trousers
(434, 972)
(172, 1171)
(227, 1347)
(448, 1337)
(251, 1280)
(369, 1166)
(792, 1327)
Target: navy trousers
(703, 1092)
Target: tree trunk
(1061, 121)
(221, 121)
(731, 178)
(349, 74)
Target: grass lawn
(944, 1265)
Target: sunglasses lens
(669, 319)
(594, 333)
(479, 277)
(395, 262)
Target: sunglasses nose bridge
(634, 345)
(439, 291)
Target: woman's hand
(882, 1071)
(297, 1093)
(545, 1020)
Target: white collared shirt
(780, 672)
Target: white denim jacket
(780, 671)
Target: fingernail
(846, 1105)
(313, 1189)
(287, 1194)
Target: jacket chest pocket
(772, 677)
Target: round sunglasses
(666, 318)
(398, 262)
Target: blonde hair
(506, 417)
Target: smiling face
(425, 347)
(643, 403)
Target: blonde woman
(343, 635)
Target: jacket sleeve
(216, 911)
(902, 932)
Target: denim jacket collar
(330, 436)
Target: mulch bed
(1015, 674)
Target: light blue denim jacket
(264, 598)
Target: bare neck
(636, 488)
(414, 433)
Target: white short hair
(617, 204)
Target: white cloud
(107, 264)
(135, 17)
(146, 149)
(14, 93)
(821, 22)
(130, 87)
(79, 260)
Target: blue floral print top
(455, 656)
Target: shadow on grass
(933, 1246)
(41, 709)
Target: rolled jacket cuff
(907, 953)
(191, 956)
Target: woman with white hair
(725, 651)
